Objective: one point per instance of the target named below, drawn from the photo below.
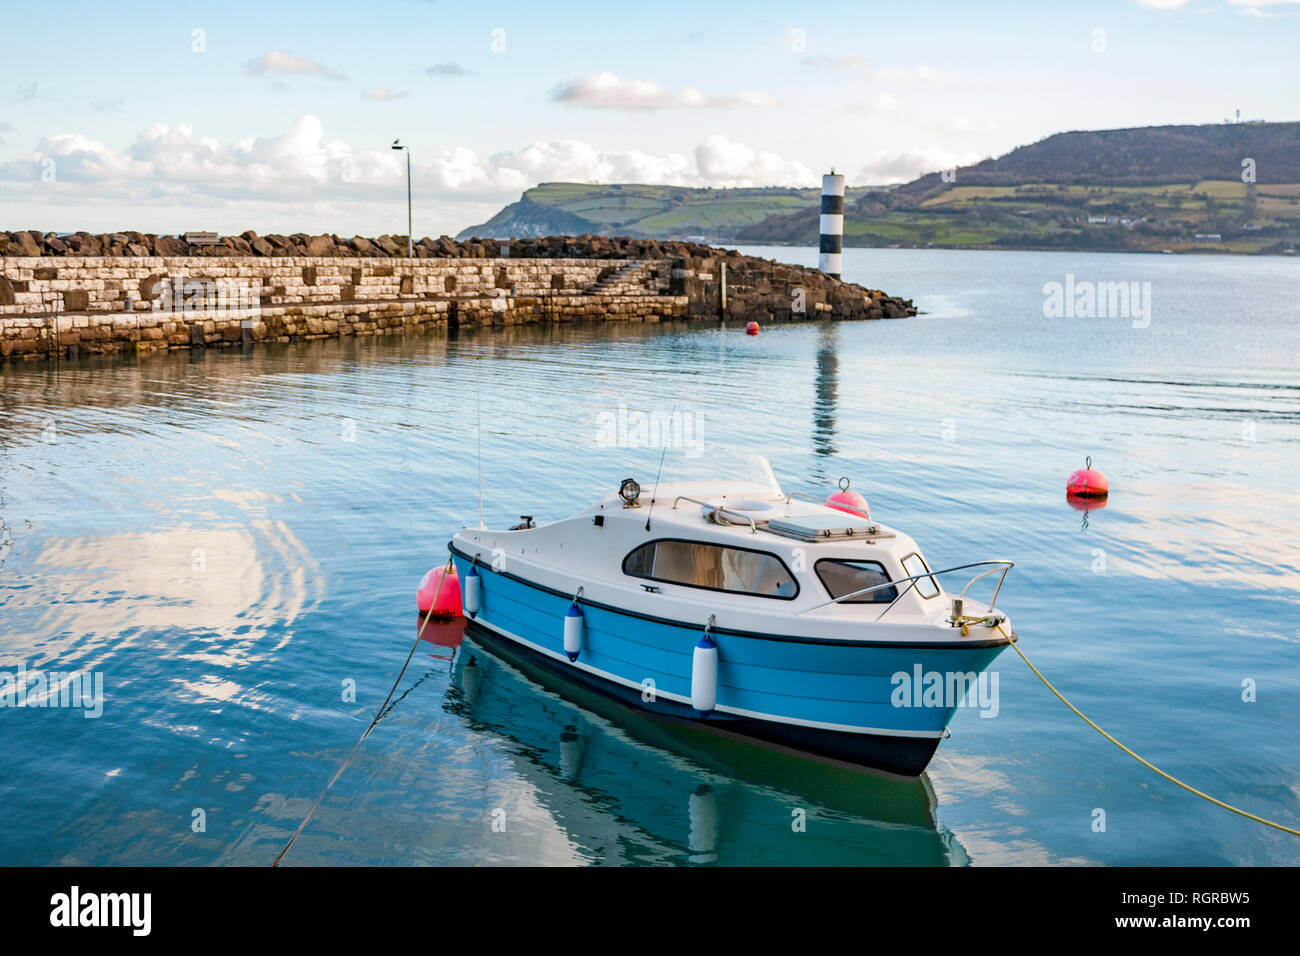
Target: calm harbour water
(229, 536)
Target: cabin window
(712, 566)
(927, 586)
(847, 577)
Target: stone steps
(631, 279)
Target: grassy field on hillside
(658, 211)
(1247, 218)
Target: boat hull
(839, 700)
(907, 756)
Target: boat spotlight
(629, 491)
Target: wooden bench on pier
(202, 238)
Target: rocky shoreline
(31, 243)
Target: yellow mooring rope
(1139, 759)
(379, 714)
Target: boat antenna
(658, 473)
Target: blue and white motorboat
(737, 606)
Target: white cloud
(574, 161)
(32, 93)
(833, 63)
(963, 125)
(607, 91)
(1251, 8)
(886, 102)
(925, 74)
(887, 167)
(384, 93)
(280, 61)
(447, 69)
(173, 176)
(717, 162)
(165, 157)
(723, 162)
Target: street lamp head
(395, 144)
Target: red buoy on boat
(850, 502)
(1087, 482)
(439, 602)
(751, 328)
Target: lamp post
(397, 145)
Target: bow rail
(996, 566)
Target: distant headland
(1223, 188)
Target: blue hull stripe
(845, 688)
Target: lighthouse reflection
(825, 387)
(626, 788)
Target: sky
(279, 117)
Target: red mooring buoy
(448, 596)
(1087, 482)
(751, 328)
(850, 502)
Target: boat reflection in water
(628, 788)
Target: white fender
(472, 594)
(704, 675)
(573, 631)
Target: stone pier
(81, 304)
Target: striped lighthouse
(832, 223)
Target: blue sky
(278, 116)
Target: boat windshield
(926, 586)
(841, 577)
(727, 465)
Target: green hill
(1143, 189)
(652, 212)
(1140, 156)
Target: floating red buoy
(751, 328)
(447, 603)
(1087, 483)
(850, 502)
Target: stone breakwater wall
(73, 304)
